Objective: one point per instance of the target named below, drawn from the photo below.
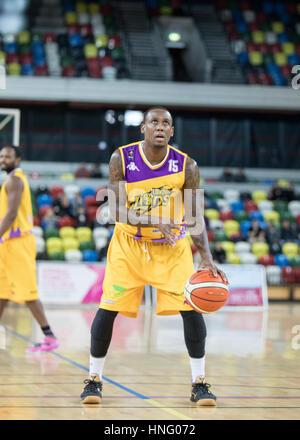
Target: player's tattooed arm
(194, 215)
(14, 189)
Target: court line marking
(141, 396)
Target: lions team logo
(152, 199)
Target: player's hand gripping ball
(206, 293)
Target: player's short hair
(155, 107)
(16, 149)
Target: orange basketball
(206, 293)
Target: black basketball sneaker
(201, 395)
(92, 392)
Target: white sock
(96, 366)
(197, 367)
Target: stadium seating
(89, 44)
(263, 37)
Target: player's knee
(101, 332)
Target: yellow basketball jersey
(153, 189)
(23, 223)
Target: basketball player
(143, 176)
(18, 280)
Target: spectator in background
(96, 172)
(50, 220)
(76, 203)
(289, 193)
(276, 193)
(62, 206)
(288, 231)
(272, 232)
(83, 171)
(240, 176)
(227, 175)
(256, 233)
(219, 254)
(81, 217)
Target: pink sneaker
(48, 344)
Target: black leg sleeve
(101, 332)
(194, 333)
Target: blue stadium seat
(87, 192)
(257, 215)
(237, 206)
(89, 255)
(44, 200)
(245, 225)
(281, 260)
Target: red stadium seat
(114, 41)
(86, 29)
(263, 48)
(244, 5)
(297, 274)
(106, 61)
(91, 213)
(106, 9)
(210, 236)
(275, 47)
(226, 215)
(12, 58)
(56, 191)
(41, 71)
(250, 205)
(286, 71)
(291, 8)
(43, 210)
(230, 27)
(49, 37)
(154, 12)
(69, 71)
(265, 79)
(253, 26)
(90, 201)
(261, 17)
(36, 221)
(73, 29)
(297, 49)
(66, 221)
(250, 46)
(288, 275)
(267, 260)
(25, 58)
(252, 78)
(298, 219)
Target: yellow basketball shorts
(18, 279)
(132, 264)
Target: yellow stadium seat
(272, 216)
(81, 8)
(228, 246)
(71, 17)
(255, 58)
(70, 243)
(298, 8)
(83, 234)
(260, 248)
(259, 195)
(280, 59)
(24, 37)
(233, 258)
(212, 214)
(288, 48)
(67, 176)
(94, 8)
(101, 40)
(14, 69)
(53, 245)
(278, 27)
(258, 37)
(231, 227)
(290, 250)
(2, 57)
(67, 232)
(166, 11)
(283, 183)
(90, 51)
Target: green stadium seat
(51, 232)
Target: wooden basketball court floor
(252, 363)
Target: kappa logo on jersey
(152, 199)
(132, 167)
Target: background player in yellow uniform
(149, 246)
(18, 280)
